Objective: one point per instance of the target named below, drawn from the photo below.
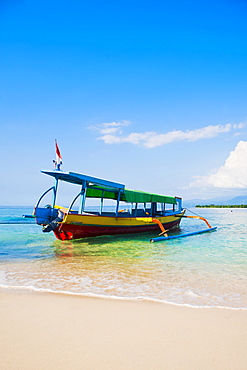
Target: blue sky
(152, 94)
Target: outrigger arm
(163, 230)
(154, 220)
(199, 218)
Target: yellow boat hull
(76, 226)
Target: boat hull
(80, 226)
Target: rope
(187, 209)
(17, 223)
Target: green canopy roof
(130, 196)
(141, 197)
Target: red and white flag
(58, 154)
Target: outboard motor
(46, 214)
(54, 223)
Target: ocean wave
(116, 298)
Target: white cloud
(112, 133)
(233, 174)
(110, 128)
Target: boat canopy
(77, 178)
(130, 196)
(99, 188)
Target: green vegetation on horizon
(221, 206)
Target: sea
(204, 270)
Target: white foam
(116, 298)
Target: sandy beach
(56, 331)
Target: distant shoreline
(221, 206)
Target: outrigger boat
(135, 211)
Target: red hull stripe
(72, 231)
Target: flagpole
(58, 156)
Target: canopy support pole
(101, 202)
(83, 196)
(55, 193)
(118, 200)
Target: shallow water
(202, 270)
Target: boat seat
(108, 214)
(124, 214)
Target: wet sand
(55, 331)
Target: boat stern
(44, 215)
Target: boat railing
(74, 200)
(42, 196)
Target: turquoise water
(203, 270)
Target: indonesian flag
(58, 154)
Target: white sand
(53, 331)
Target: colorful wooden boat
(135, 211)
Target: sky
(151, 94)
